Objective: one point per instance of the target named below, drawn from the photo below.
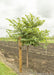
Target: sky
(18, 8)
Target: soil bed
(39, 61)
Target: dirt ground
(39, 61)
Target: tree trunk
(27, 56)
(20, 54)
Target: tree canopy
(28, 29)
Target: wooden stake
(27, 56)
(20, 54)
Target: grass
(5, 70)
(9, 39)
(50, 41)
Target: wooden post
(20, 54)
(27, 56)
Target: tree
(28, 29)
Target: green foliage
(27, 29)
